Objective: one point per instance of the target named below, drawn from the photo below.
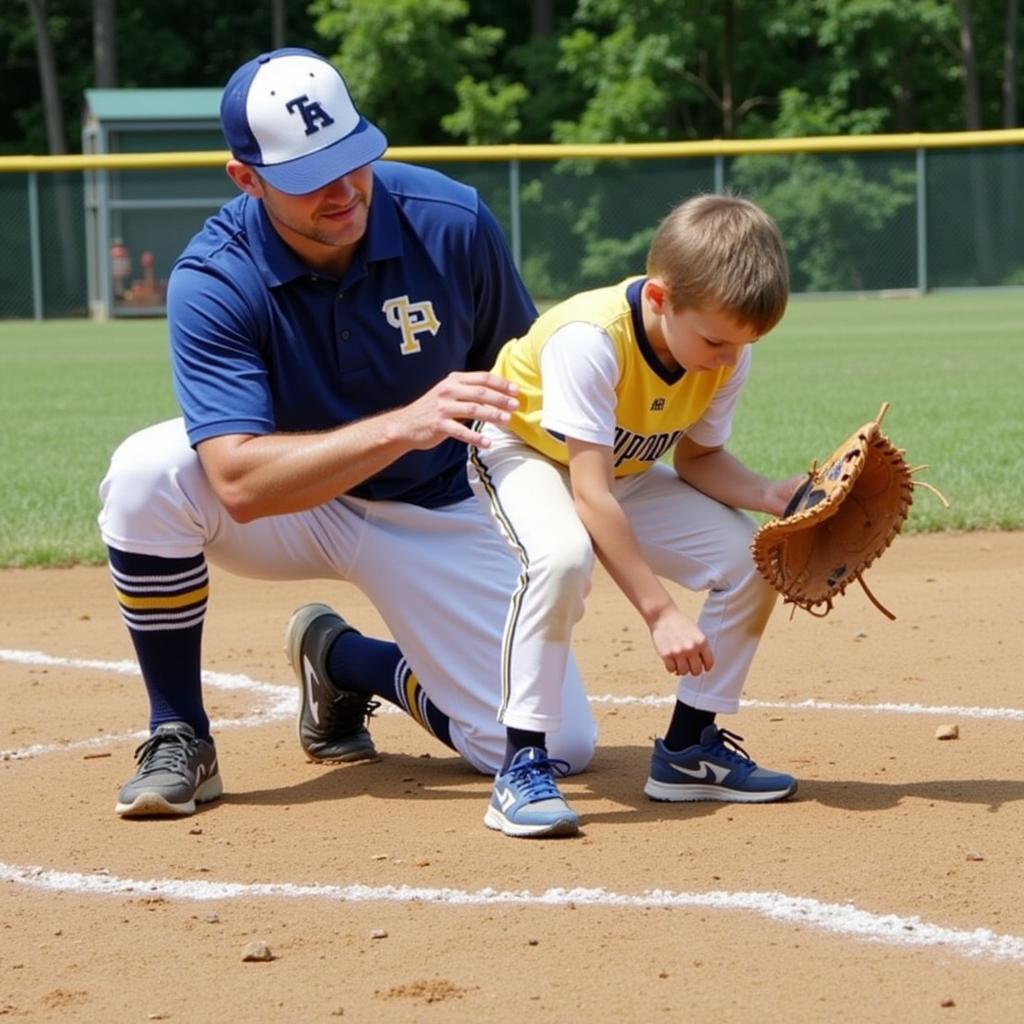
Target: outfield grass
(952, 367)
(69, 391)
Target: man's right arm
(273, 474)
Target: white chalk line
(277, 702)
(280, 702)
(945, 710)
(842, 919)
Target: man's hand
(450, 407)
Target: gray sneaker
(176, 772)
(331, 722)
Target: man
(330, 330)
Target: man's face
(323, 227)
(333, 216)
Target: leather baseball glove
(842, 518)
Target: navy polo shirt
(261, 344)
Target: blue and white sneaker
(526, 801)
(717, 768)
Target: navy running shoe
(526, 801)
(717, 768)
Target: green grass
(70, 390)
(951, 365)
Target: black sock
(686, 726)
(519, 739)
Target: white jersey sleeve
(713, 429)
(579, 371)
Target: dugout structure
(136, 224)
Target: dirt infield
(888, 889)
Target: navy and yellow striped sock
(414, 701)
(368, 665)
(163, 604)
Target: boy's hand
(844, 516)
(680, 643)
(778, 493)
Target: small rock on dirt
(257, 952)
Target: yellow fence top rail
(603, 151)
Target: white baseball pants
(440, 578)
(685, 536)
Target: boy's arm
(720, 475)
(682, 646)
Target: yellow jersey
(654, 406)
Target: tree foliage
(444, 71)
(589, 71)
(160, 44)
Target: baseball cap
(289, 114)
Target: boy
(608, 382)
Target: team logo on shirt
(412, 319)
(642, 447)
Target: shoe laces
(164, 751)
(351, 700)
(537, 778)
(727, 745)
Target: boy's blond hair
(722, 253)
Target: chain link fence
(912, 217)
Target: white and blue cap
(289, 114)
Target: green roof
(105, 105)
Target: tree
(431, 71)
(972, 91)
(542, 18)
(979, 199)
(1011, 54)
(278, 24)
(53, 111)
(723, 96)
(401, 60)
(104, 43)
